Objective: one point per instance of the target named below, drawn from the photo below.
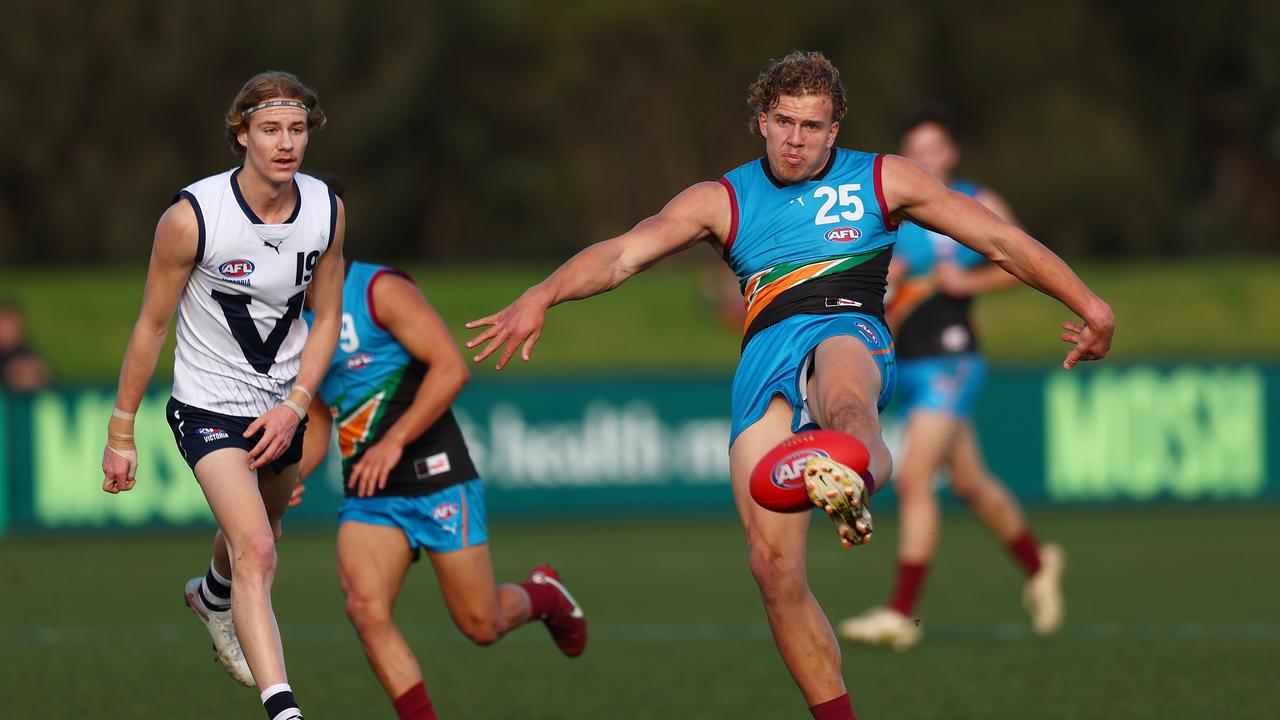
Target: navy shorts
(200, 432)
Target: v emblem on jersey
(260, 353)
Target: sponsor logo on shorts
(432, 465)
(211, 433)
(236, 271)
(788, 474)
(843, 234)
(868, 332)
(445, 511)
(355, 362)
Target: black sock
(215, 591)
(278, 701)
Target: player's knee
(481, 631)
(852, 417)
(779, 575)
(256, 557)
(913, 486)
(366, 613)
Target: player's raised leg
(929, 437)
(972, 482)
(778, 545)
(231, 489)
(844, 391)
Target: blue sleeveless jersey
(371, 381)
(817, 247)
(927, 323)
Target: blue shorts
(948, 384)
(776, 362)
(444, 521)
(199, 432)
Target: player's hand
(1092, 339)
(277, 426)
(518, 325)
(118, 469)
(370, 474)
(298, 488)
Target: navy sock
(215, 591)
(278, 701)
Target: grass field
(663, 320)
(1172, 614)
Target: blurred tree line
(494, 129)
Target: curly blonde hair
(263, 87)
(799, 73)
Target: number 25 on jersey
(846, 197)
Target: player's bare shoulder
(178, 233)
(706, 206)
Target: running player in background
(236, 254)
(940, 373)
(809, 230)
(411, 486)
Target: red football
(777, 482)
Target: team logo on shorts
(843, 234)
(355, 362)
(868, 332)
(788, 474)
(236, 271)
(445, 511)
(210, 434)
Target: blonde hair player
(808, 229)
(235, 255)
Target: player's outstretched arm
(912, 192)
(959, 282)
(701, 212)
(325, 290)
(401, 308)
(173, 255)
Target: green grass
(1172, 614)
(662, 321)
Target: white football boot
(1042, 594)
(842, 493)
(226, 646)
(882, 626)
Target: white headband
(276, 103)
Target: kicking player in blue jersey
(808, 228)
(411, 485)
(940, 373)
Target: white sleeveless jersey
(240, 328)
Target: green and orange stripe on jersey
(767, 285)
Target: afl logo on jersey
(843, 234)
(355, 362)
(788, 474)
(236, 269)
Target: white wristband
(295, 407)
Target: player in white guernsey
(235, 255)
